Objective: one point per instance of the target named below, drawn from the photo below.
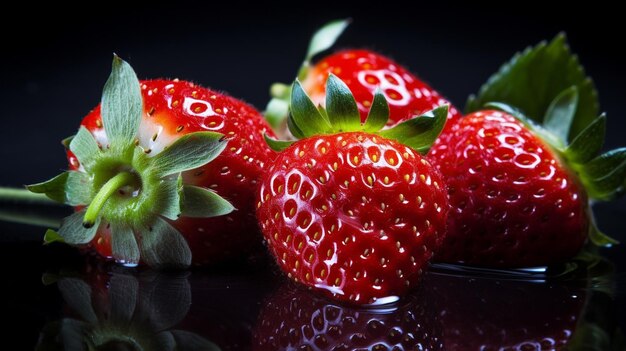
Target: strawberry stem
(109, 188)
(24, 196)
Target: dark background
(55, 61)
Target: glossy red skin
(488, 313)
(295, 319)
(363, 71)
(331, 229)
(513, 202)
(233, 174)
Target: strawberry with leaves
(363, 71)
(139, 176)
(522, 166)
(349, 210)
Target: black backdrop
(54, 62)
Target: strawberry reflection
(296, 319)
(120, 311)
(456, 309)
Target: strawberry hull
(175, 108)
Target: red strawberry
(517, 199)
(352, 213)
(294, 319)
(171, 115)
(364, 71)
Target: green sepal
(122, 104)
(277, 145)
(52, 236)
(53, 188)
(162, 246)
(123, 244)
(169, 200)
(85, 147)
(532, 79)
(378, 114)
(276, 111)
(341, 108)
(73, 232)
(188, 152)
(325, 37)
(604, 176)
(588, 143)
(419, 133)
(200, 202)
(304, 115)
(561, 112)
(71, 188)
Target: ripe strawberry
(364, 71)
(166, 133)
(517, 192)
(348, 212)
(295, 319)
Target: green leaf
(71, 188)
(561, 112)
(378, 114)
(162, 246)
(122, 104)
(604, 176)
(53, 188)
(78, 189)
(295, 131)
(308, 119)
(343, 113)
(588, 143)
(277, 145)
(532, 79)
(85, 147)
(123, 244)
(201, 202)
(73, 232)
(52, 236)
(167, 199)
(276, 112)
(420, 132)
(188, 152)
(325, 37)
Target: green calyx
(341, 114)
(552, 95)
(323, 39)
(133, 192)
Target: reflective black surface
(54, 298)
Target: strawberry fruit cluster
(359, 175)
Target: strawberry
(519, 184)
(347, 210)
(139, 176)
(295, 319)
(363, 71)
